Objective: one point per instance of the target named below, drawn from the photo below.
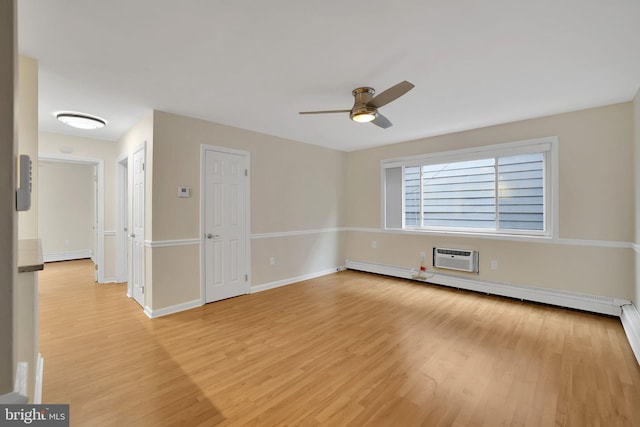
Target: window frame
(547, 145)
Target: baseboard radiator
(586, 302)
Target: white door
(123, 213)
(95, 224)
(225, 225)
(137, 234)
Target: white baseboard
(66, 256)
(21, 380)
(289, 281)
(109, 280)
(630, 318)
(37, 394)
(586, 302)
(152, 314)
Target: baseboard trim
(630, 319)
(152, 314)
(21, 381)
(289, 281)
(109, 280)
(67, 256)
(586, 302)
(37, 394)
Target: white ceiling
(255, 64)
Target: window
(502, 189)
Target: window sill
(471, 234)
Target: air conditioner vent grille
(453, 252)
(455, 259)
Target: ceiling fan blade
(382, 121)
(324, 112)
(391, 94)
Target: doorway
(97, 252)
(137, 232)
(225, 223)
(122, 223)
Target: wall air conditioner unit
(455, 259)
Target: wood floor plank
(348, 349)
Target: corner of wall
(630, 318)
(8, 215)
(28, 139)
(636, 165)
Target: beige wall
(596, 196)
(175, 273)
(636, 139)
(296, 256)
(52, 143)
(66, 214)
(107, 151)
(294, 187)
(28, 140)
(8, 215)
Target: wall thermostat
(184, 192)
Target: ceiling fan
(365, 107)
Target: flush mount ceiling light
(80, 120)
(364, 116)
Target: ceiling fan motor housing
(362, 97)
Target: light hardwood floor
(348, 349)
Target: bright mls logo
(34, 415)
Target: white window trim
(548, 144)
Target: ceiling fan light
(364, 117)
(80, 120)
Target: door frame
(99, 201)
(122, 214)
(204, 148)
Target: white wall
(592, 253)
(66, 214)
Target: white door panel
(137, 235)
(225, 225)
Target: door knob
(132, 235)
(212, 236)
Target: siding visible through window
(521, 192)
(462, 195)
